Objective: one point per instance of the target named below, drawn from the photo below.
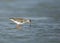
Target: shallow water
(45, 26)
(42, 30)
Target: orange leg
(18, 26)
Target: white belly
(17, 22)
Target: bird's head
(29, 21)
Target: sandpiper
(20, 21)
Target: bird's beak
(30, 22)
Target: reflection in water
(41, 30)
(44, 29)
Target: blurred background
(30, 8)
(45, 16)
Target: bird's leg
(18, 26)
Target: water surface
(43, 29)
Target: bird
(20, 21)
